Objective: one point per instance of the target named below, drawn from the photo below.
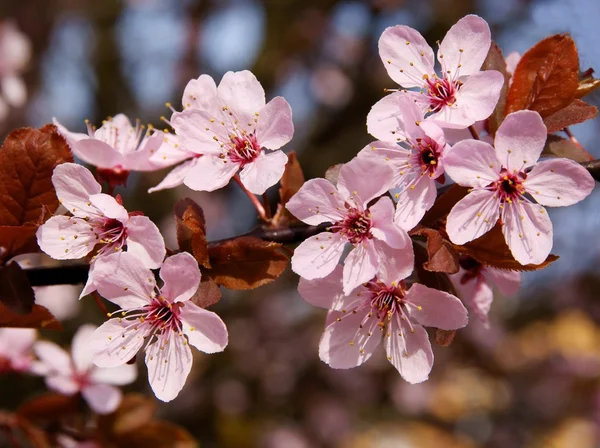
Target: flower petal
(327, 292)
(473, 216)
(170, 151)
(508, 282)
(65, 238)
(360, 266)
(181, 277)
(241, 92)
(317, 202)
(145, 241)
(477, 294)
(405, 55)
(465, 46)
(143, 158)
(397, 158)
(14, 90)
(116, 342)
(200, 131)
(393, 117)
(205, 330)
(520, 139)
(98, 153)
(117, 376)
(74, 184)
(210, 173)
(409, 352)
(414, 201)
(102, 398)
(355, 182)
(55, 358)
(472, 163)
(109, 207)
(70, 137)
(528, 232)
(559, 182)
(317, 256)
(175, 177)
(80, 350)
(63, 384)
(384, 228)
(394, 264)
(169, 365)
(264, 172)
(275, 126)
(200, 93)
(437, 308)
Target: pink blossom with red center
(384, 308)
(98, 223)
(73, 373)
(231, 127)
(461, 94)
(474, 283)
(15, 349)
(413, 148)
(507, 184)
(369, 228)
(160, 320)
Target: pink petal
(317, 256)
(466, 44)
(74, 184)
(61, 300)
(528, 232)
(327, 292)
(559, 182)
(210, 173)
(520, 139)
(360, 266)
(70, 137)
(168, 368)
(14, 90)
(143, 158)
(409, 351)
(264, 172)
(438, 308)
(117, 376)
(55, 358)
(80, 350)
(399, 46)
(477, 294)
(205, 330)
(395, 265)
(384, 228)
(508, 282)
(16, 341)
(355, 182)
(393, 118)
(473, 216)
(200, 131)
(275, 126)
(175, 177)
(241, 92)
(102, 398)
(512, 59)
(181, 277)
(90, 284)
(170, 151)
(109, 207)
(123, 279)
(65, 238)
(63, 384)
(316, 202)
(114, 343)
(414, 201)
(345, 344)
(200, 93)
(472, 163)
(145, 241)
(98, 153)
(397, 158)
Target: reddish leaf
(135, 411)
(441, 255)
(245, 263)
(18, 240)
(576, 112)
(292, 180)
(564, 147)
(546, 78)
(587, 86)
(495, 61)
(191, 230)
(444, 337)
(39, 317)
(443, 205)
(437, 280)
(50, 406)
(158, 434)
(15, 292)
(208, 294)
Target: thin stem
(267, 206)
(474, 133)
(98, 300)
(572, 137)
(257, 204)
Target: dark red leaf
(50, 406)
(444, 337)
(15, 292)
(576, 112)
(443, 205)
(191, 230)
(441, 255)
(39, 317)
(208, 294)
(292, 180)
(495, 61)
(564, 147)
(134, 412)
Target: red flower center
(164, 315)
(441, 92)
(509, 186)
(244, 149)
(356, 226)
(112, 234)
(429, 153)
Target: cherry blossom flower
(74, 373)
(368, 228)
(503, 180)
(98, 223)
(413, 148)
(162, 320)
(461, 94)
(230, 126)
(15, 349)
(172, 152)
(474, 284)
(383, 308)
(15, 53)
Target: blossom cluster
(361, 267)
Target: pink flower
(462, 94)
(413, 148)
(161, 320)
(172, 152)
(15, 53)
(368, 229)
(512, 60)
(383, 308)
(230, 127)
(503, 179)
(15, 349)
(99, 223)
(73, 373)
(474, 284)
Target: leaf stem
(257, 204)
(474, 133)
(267, 206)
(98, 300)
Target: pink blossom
(462, 94)
(503, 179)
(383, 308)
(15, 349)
(162, 320)
(98, 223)
(172, 152)
(74, 373)
(512, 60)
(230, 126)
(413, 148)
(368, 229)
(15, 53)
(474, 284)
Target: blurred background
(532, 380)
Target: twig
(473, 132)
(267, 206)
(257, 204)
